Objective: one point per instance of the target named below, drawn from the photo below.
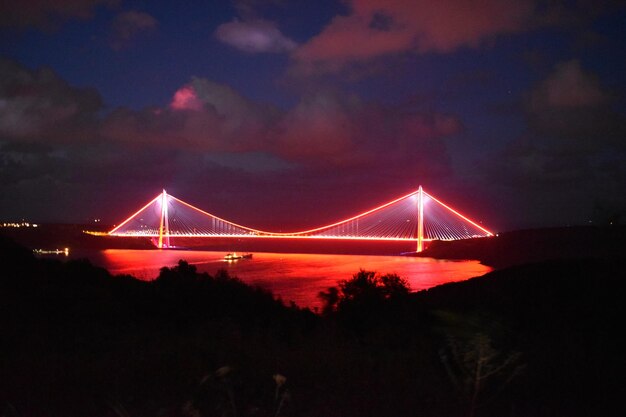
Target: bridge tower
(164, 228)
(420, 219)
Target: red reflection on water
(293, 277)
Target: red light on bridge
(417, 216)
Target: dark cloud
(38, 105)
(203, 115)
(127, 25)
(54, 140)
(377, 28)
(254, 36)
(573, 14)
(571, 109)
(568, 162)
(46, 14)
(325, 128)
(345, 131)
(569, 86)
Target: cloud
(377, 28)
(46, 14)
(570, 159)
(255, 36)
(329, 128)
(37, 104)
(569, 86)
(56, 143)
(202, 115)
(544, 184)
(571, 109)
(128, 25)
(570, 117)
(574, 14)
(325, 128)
(185, 98)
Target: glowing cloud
(185, 99)
(258, 36)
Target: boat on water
(64, 251)
(235, 256)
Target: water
(293, 277)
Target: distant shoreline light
(20, 224)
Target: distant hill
(57, 236)
(524, 246)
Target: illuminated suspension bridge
(417, 217)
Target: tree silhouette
(365, 288)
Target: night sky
(283, 115)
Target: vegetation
(534, 340)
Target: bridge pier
(420, 219)
(164, 228)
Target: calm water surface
(293, 277)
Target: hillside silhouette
(541, 339)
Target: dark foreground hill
(535, 340)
